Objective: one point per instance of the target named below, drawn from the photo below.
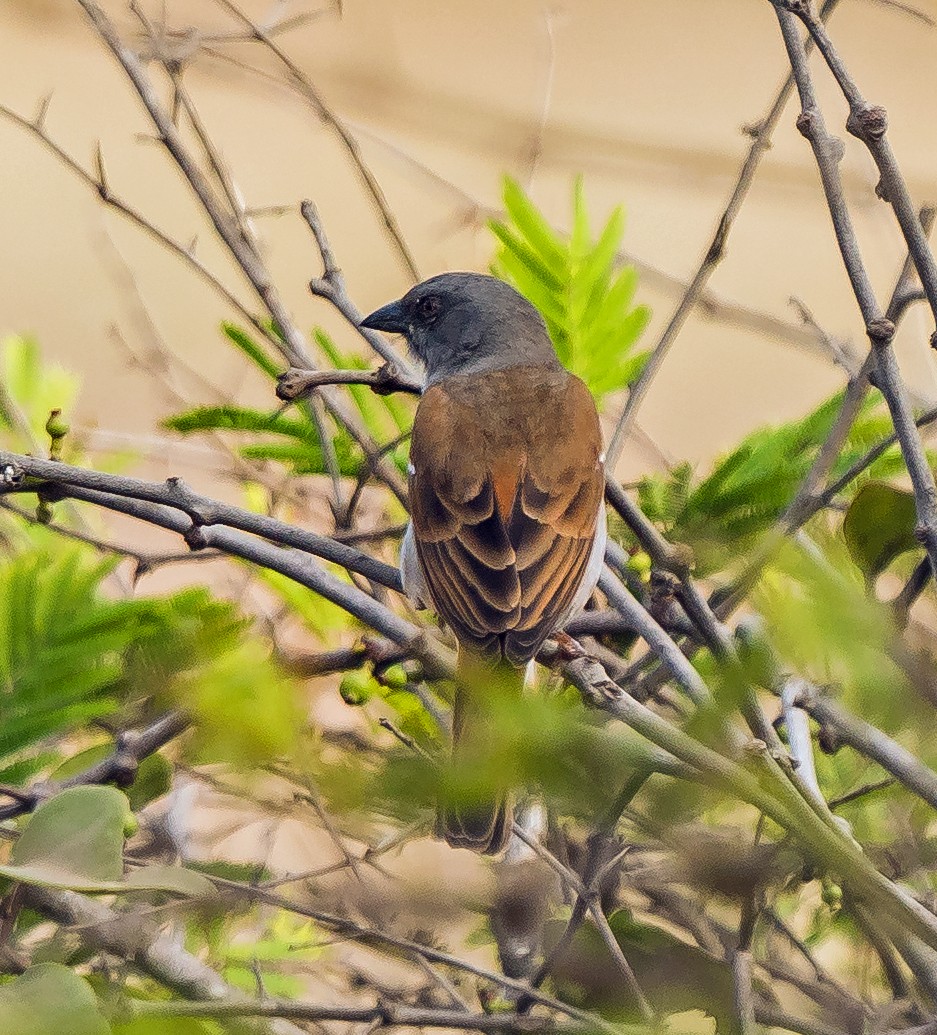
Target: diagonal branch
(869, 123)
(828, 152)
(293, 346)
(325, 113)
(761, 141)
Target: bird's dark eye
(428, 306)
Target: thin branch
(869, 123)
(294, 384)
(379, 938)
(871, 742)
(331, 287)
(382, 1015)
(202, 512)
(158, 955)
(761, 134)
(120, 767)
(880, 330)
(293, 345)
(325, 113)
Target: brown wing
(505, 500)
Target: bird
(507, 530)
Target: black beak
(390, 318)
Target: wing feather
(505, 511)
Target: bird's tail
(479, 814)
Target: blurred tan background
(646, 97)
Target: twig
(293, 383)
(158, 955)
(871, 742)
(828, 152)
(325, 113)
(761, 140)
(120, 767)
(202, 511)
(331, 287)
(293, 345)
(380, 938)
(869, 123)
(383, 1015)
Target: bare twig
(120, 767)
(293, 345)
(157, 954)
(869, 123)
(761, 140)
(203, 512)
(827, 151)
(293, 383)
(870, 741)
(325, 113)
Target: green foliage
(546, 742)
(69, 655)
(823, 626)
(285, 943)
(204, 656)
(879, 526)
(32, 387)
(50, 998)
(722, 515)
(585, 301)
(296, 442)
(62, 645)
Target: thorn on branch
(100, 173)
(39, 119)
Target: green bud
(395, 677)
(355, 688)
(640, 563)
(831, 894)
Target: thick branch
(203, 512)
(156, 954)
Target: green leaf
(76, 841)
(878, 526)
(152, 781)
(240, 418)
(35, 387)
(78, 834)
(50, 998)
(255, 352)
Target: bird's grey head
(459, 323)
